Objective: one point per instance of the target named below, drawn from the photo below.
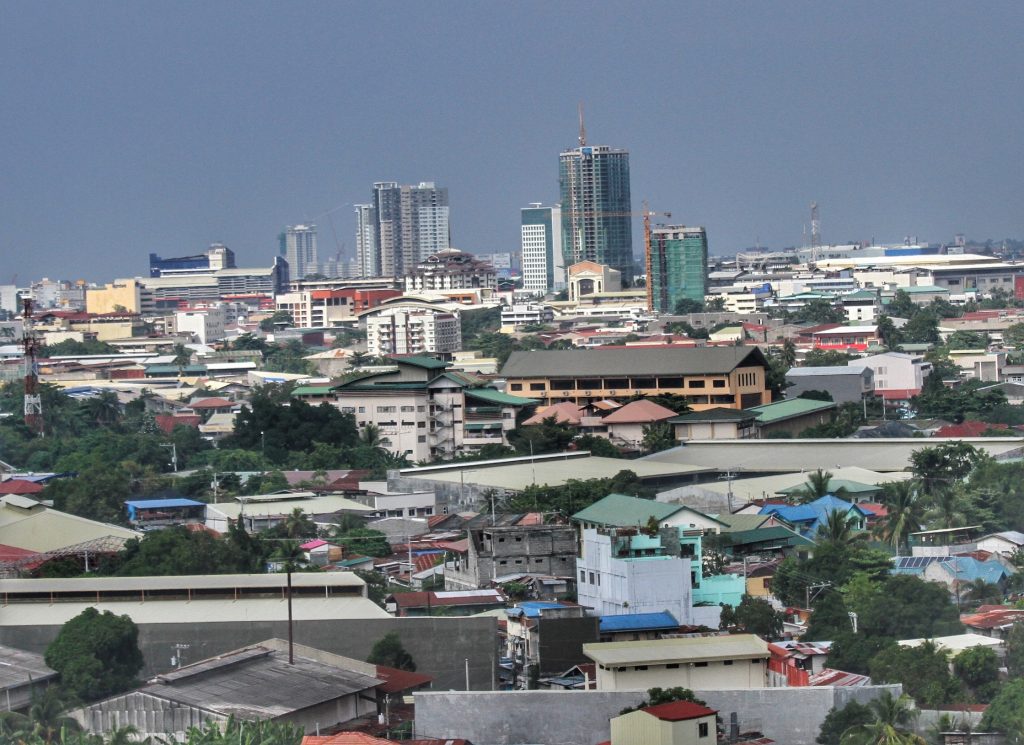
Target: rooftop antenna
(815, 233)
(583, 129)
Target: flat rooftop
(694, 648)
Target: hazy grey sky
(130, 127)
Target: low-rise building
(548, 636)
(791, 416)
(413, 332)
(497, 551)
(844, 383)
(702, 663)
(714, 424)
(847, 338)
(674, 723)
(897, 376)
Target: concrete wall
(439, 646)
(787, 715)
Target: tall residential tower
(401, 227)
(541, 255)
(300, 250)
(596, 208)
(679, 265)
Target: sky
(137, 127)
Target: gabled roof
(1011, 536)
(491, 396)
(717, 414)
(631, 361)
(565, 412)
(624, 511)
(640, 411)
(20, 486)
(777, 535)
(427, 363)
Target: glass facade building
(596, 221)
(679, 265)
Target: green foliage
(684, 306)
(1013, 336)
(838, 721)
(657, 696)
(177, 551)
(921, 328)
(97, 655)
(819, 311)
(942, 466)
(816, 395)
(1015, 651)
(601, 447)
(922, 670)
(258, 732)
(279, 319)
(819, 484)
(363, 541)
(978, 668)
(904, 512)
(658, 436)
(547, 437)
(575, 494)
(757, 616)
(388, 650)
(72, 348)
(845, 421)
(1006, 712)
(891, 722)
(826, 358)
(902, 306)
(967, 340)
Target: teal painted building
(679, 265)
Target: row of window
(672, 665)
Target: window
(516, 386)
(726, 662)
(718, 384)
(536, 386)
(695, 384)
(702, 729)
(672, 666)
(408, 408)
(421, 438)
(362, 409)
(700, 664)
(385, 409)
(592, 578)
(583, 576)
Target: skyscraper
(401, 227)
(596, 222)
(541, 248)
(300, 250)
(679, 266)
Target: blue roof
(532, 608)
(807, 517)
(149, 504)
(962, 568)
(639, 622)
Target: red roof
(965, 429)
(678, 711)
(396, 681)
(345, 738)
(425, 599)
(565, 412)
(167, 422)
(878, 510)
(212, 403)
(531, 518)
(639, 411)
(423, 562)
(898, 394)
(20, 486)
(13, 553)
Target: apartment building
(413, 332)
(731, 377)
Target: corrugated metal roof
(629, 361)
(639, 622)
(497, 397)
(622, 510)
(147, 504)
(789, 409)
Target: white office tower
(541, 249)
(401, 227)
(367, 251)
(300, 250)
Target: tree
(902, 305)
(819, 311)
(388, 650)
(942, 466)
(715, 305)
(840, 528)
(658, 436)
(299, 525)
(757, 616)
(1014, 335)
(967, 340)
(978, 668)
(921, 328)
(826, 358)
(1015, 651)
(891, 720)
(363, 542)
(685, 306)
(903, 513)
(96, 654)
(819, 484)
(1006, 712)
(280, 318)
(838, 721)
(922, 670)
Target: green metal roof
(788, 409)
(492, 396)
(173, 369)
(777, 535)
(623, 511)
(851, 487)
(313, 390)
(742, 522)
(428, 363)
(718, 414)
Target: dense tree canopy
(97, 655)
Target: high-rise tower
(401, 227)
(300, 250)
(596, 221)
(679, 266)
(541, 248)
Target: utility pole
(812, 591)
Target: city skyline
(146, 146)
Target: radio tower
(815, 233)
(33, 401)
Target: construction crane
(646, 213)
(33, 401)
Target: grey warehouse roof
(800, 372)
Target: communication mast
(33, 401)
(815, 232)
(583, 130)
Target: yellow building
(709, 377)
(121, 295)
(674, 723)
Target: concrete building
(897, 376)
(120, 296)
(675, 723)
(850, 383)
(400, 227)
(698, 663)
(596, 206)
(792, 416)
(216, 257)
(450, 269)
(714, 424)
(730, 377)
(239, 284)
(495, 552)
(543, 263)
(591, 278)
(9, 299)
(625, 571)
(679, 266)
(525, 314)
(23, 677)
(413, 332)
(547, 636)
(300, 250)
(206, 326)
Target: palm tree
(891, 726)
(47, 719)
(819, 485)
(840, 528)
(370, 436)
(104, 408)
(290, 553)
(946, 510)
(903, 507)
(979, 592)
(298, 525)
(358, 359)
